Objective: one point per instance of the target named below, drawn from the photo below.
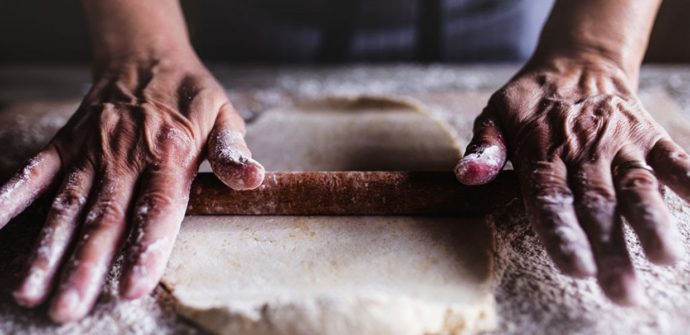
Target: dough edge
(379, 315)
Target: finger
(641, 203)
(158, 213)
(28, 184)
(485, 155)
(228, 154)
(672, 166)
(55, 237)
(101, 235)
(595, 200)
(549, 205)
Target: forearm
(614, 30)
(122, 29)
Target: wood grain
(352, 193)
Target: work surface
(531, 296)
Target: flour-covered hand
(586, 152)
(125, 162)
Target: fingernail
(480, 166)
(31, 291)
(66, 307)
(667, 247)
(622, 289)
(134, 288)
(145, 268)
(571, 252)
(253, 174)
(661, 252)
(586, 266)
(136, 283)
(246, 175)
(577, 266)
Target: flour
(490, 155)
(152, 314)
(156, 250)
(541, 300)
(142, 211)
(34, 285)
(555, 199)
(231, 164)
(532, 297)
(480, 166)
(227, 143)
(7, 191)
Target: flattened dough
(338, 275)
(359, 134)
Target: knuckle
(485, 121)
(118, 160)
(668, 149)
(154, 201)
(679, 155)
(635, 179)
(550, 189)
(106, 111)
(175, 144)
(553, 196)
(597, 198)
(199, 92)
(210, 93)
(602, 106)
(613, 100)
(105, 214)
(68, 200)
(546, 173)
(556, 106)
(503, 97)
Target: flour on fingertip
(230, 163)
(481, 165)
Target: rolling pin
(352, 193)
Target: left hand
(586, 152)
(125, 163)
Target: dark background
(49, 31)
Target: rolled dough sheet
(338, 275)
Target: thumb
(485, 155)
(230, 159)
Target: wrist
(129, 30)
(112, 50)
(593, 61)
(145, 56)
(616, 62)
(614, 33)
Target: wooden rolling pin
(352, 193)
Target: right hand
(125, 162)
(583, 146)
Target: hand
(125, 162)
(584, 148)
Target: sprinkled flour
(534, 298)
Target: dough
(357, 134)
(338, 275)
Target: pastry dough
(338, 275)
